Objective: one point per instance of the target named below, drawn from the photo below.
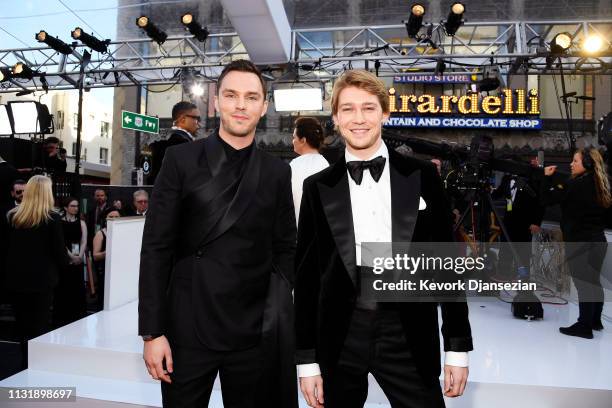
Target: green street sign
(141, 123)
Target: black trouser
(376, 343)
(585, 261)
(195, 370)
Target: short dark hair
(311, 129)
(181, 108)
(52, 140)
(102, 190)
(18, 181)
(242, 65)
(66, 201)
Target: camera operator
(583, 199)
(522, 219)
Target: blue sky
(20, 20)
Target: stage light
(53, 42)
(560, 43)
(89, 40)
(415, 21)
(151, 29)
(5, 74)
(199, 32)
(21, 70)
(593, 44)
(197, 90)
(454, 19)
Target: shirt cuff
(309, 370)
(456, 358)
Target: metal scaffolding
(518, 47)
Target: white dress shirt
(371, 208)
(303, 167)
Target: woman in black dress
(69, 302)
(99, 252)
(584, 199)
(35, 257)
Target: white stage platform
(515, 363)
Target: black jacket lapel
(242, 199)
(215, 153)
(405, 197)
(336, 200)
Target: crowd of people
(52, 255)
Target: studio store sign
(512, 109)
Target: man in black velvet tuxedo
(217, 262)
(372, 194)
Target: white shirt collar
(382, 151)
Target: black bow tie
(356, 168)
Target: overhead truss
(320, 53)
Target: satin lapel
(336, 200)
(405, 197)
(241, 201)
(215, 153)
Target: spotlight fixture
(454, 19)
(5, 74)
(89, 40)
(593, 44)
(415, 21)
(560, 43)
(195, 28)
(21, 70)
(197, 89)
(58, 45)
(151, 29)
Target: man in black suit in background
(522, 218)
(216, 262)
(372, 194)
(185, 123)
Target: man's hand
(535, 229)
(455, 379)
(312, 390)
(155, 352)
(549, 170)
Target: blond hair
(602, 184)
(36, 206)
(363, 80)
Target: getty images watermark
(447, 271)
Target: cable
(77, 16)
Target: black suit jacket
(177, 137)
(211, 243)
(35, 257)
(325, 294)
(526, 208)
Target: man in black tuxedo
(217, 262)
(372, 194)
(522, 218)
